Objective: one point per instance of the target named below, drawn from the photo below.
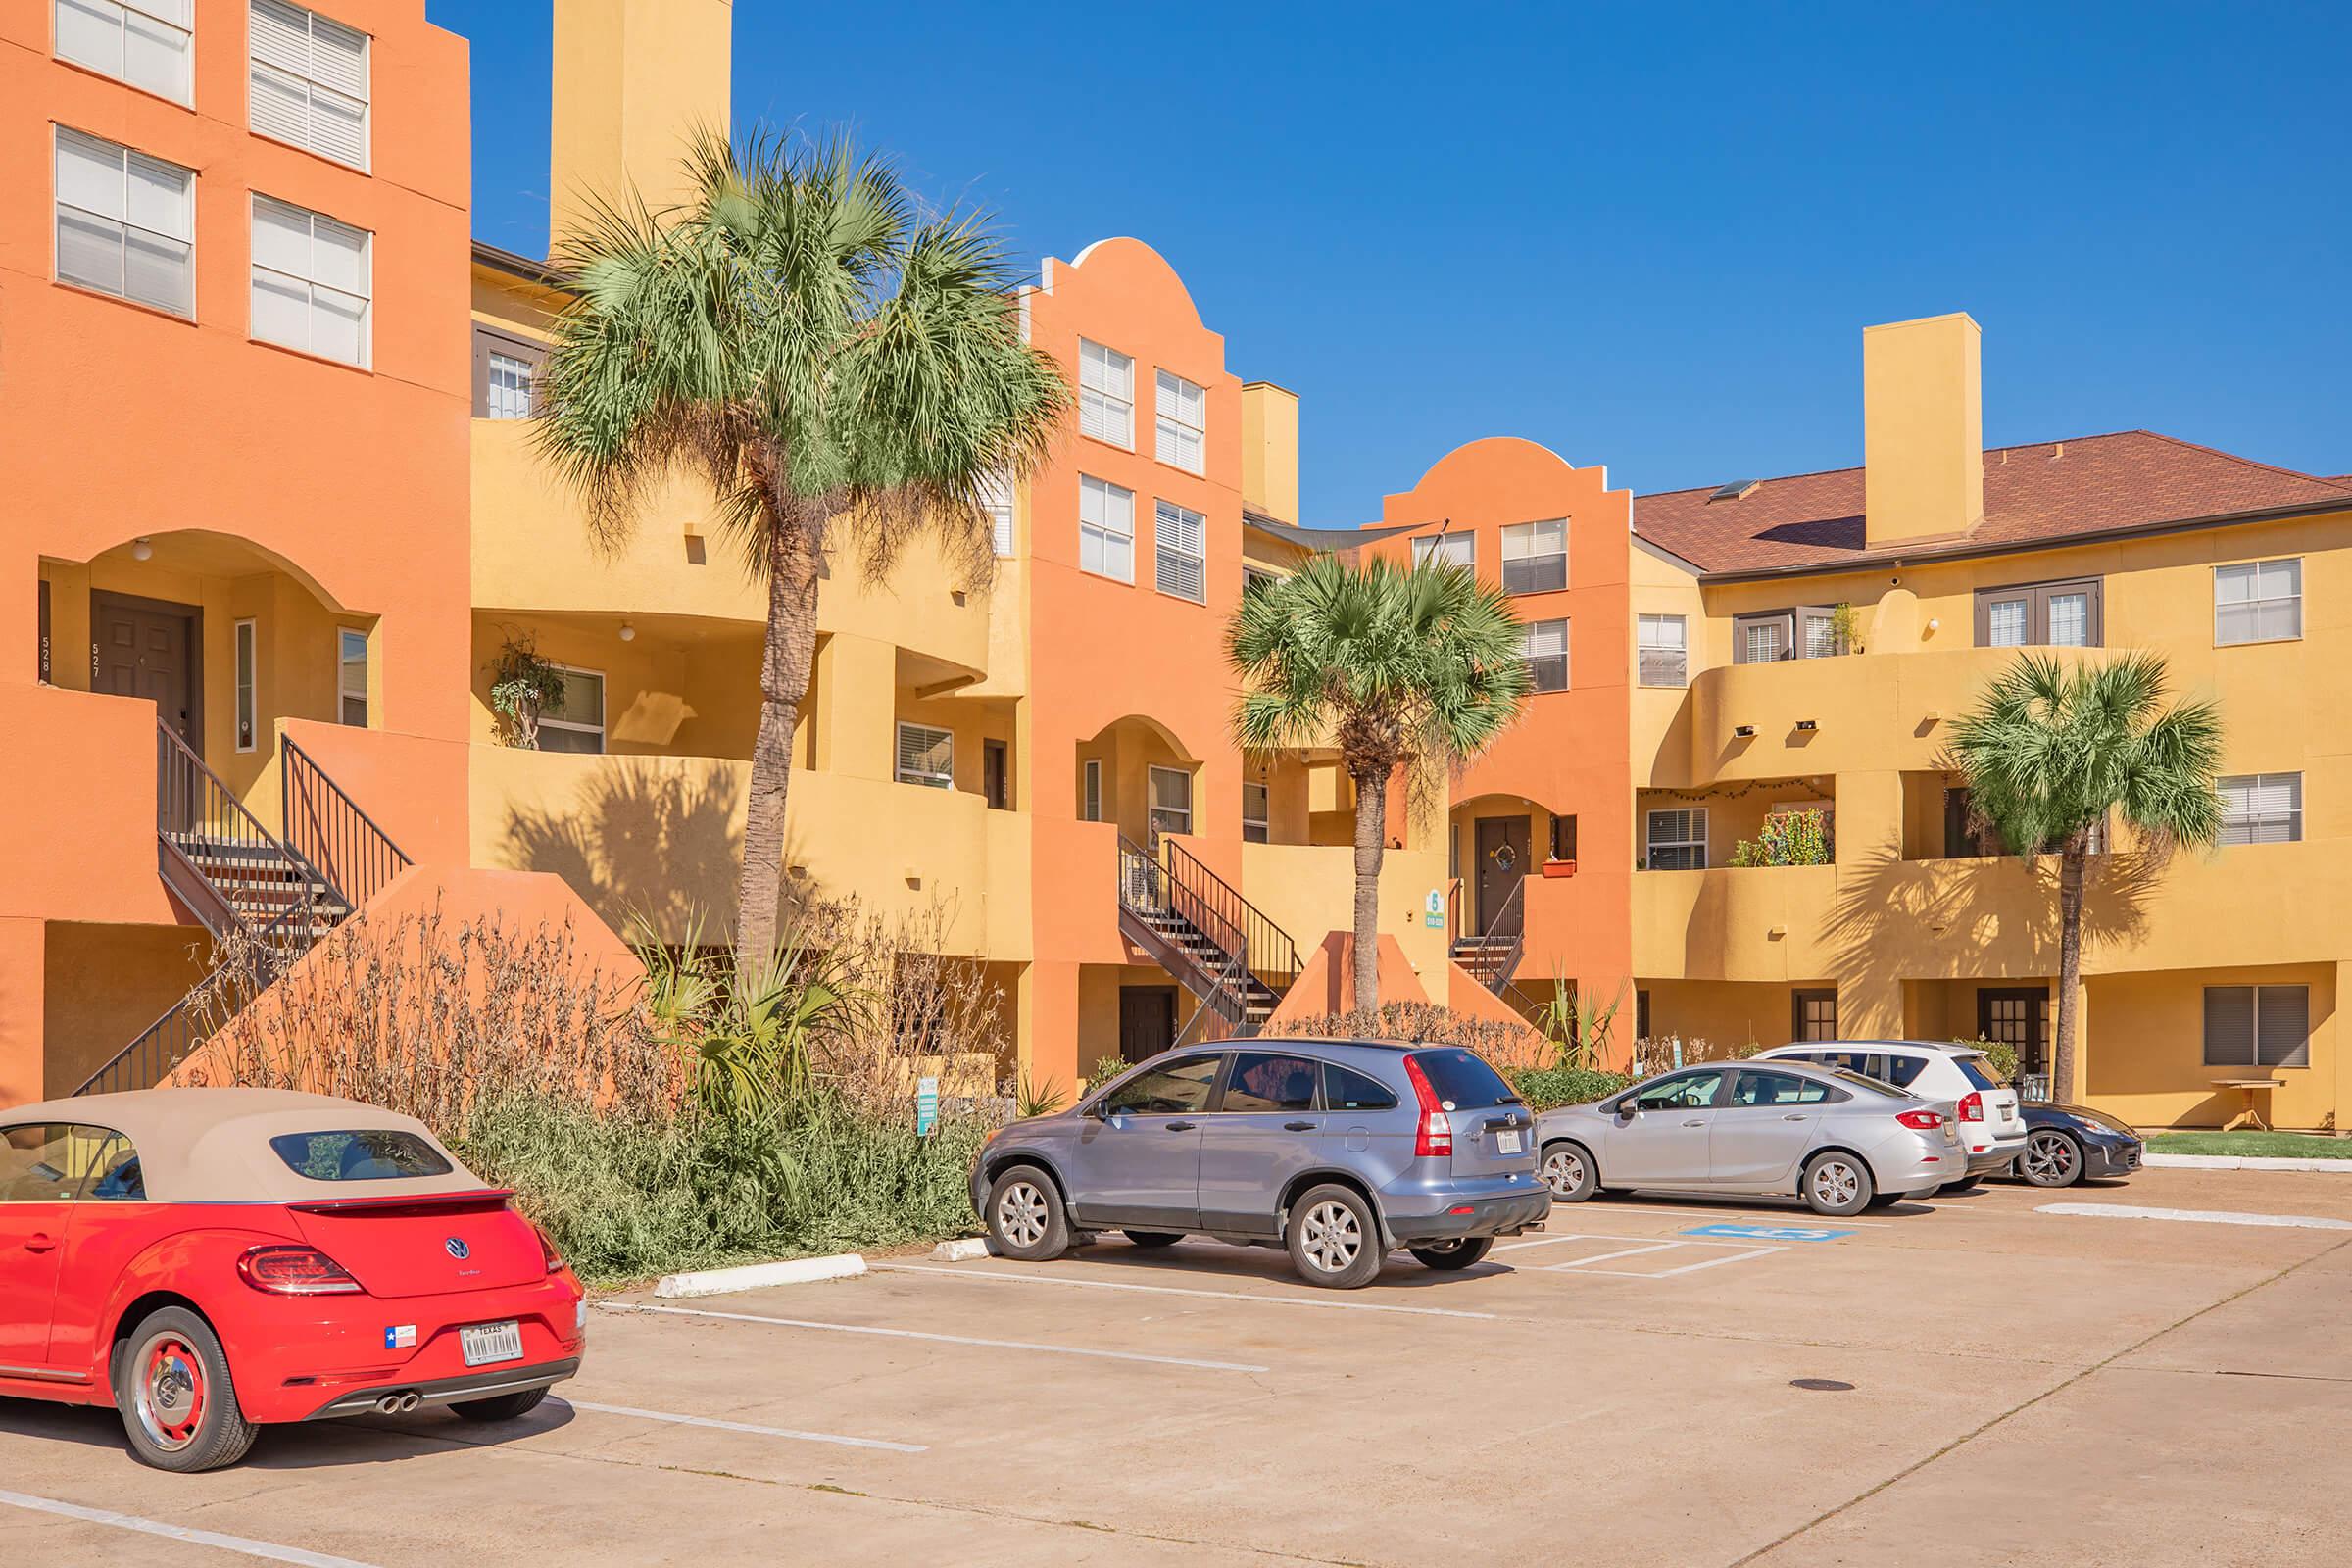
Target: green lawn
(2268, 1145)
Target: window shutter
(996, 499)
(1182, 545)
(2282, 1026)
(281, 60)
(2229, 1026)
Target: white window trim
(2254, 565)
(931, 781)
(1263, 822)
(1163, 420)
(1526, 531)
(1651, 845)
(1642, 620)
(1107, 399)
(1160, 508)
(1428, 543)
(188, 33)
(245, 646)
(365, 100)
(58, 202)
(366, 358)
(367, 672)
(1152, 810)
(2294, 816)
(1103, 529)
(604, 693)
(1090, 794)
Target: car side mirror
(1627, 1110)
(1098, 1109)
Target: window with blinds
(2258, 602)
(1180, 539)
(926, 756)
(1105, 529)
(2257, 1026)
(248, 674)
(1106, 394)
(350, 676)
(2053, 614)
(1534, 557)
(2261, 808)
(1255, 819)
(126, 224)
(1453, 549)
(1677, 840)
(311, 281)
(576, 723)
(996, 499)
(1182, 414)
(1546, 643)
(1090, 793)
(147, 43)
(1170, 805)
(310, 81)
(1662, 655)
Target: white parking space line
(1712, 1262)
(2196, 1216)
(1603, 1258)
(716, 1425)
(941, 1339)
(1177, 1290)
(266, 1551)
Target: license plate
(485, 1343)
(1507, 1142)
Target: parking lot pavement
(1669, 1381)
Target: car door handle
(1798, 1116)
(1697, 1121)
(1298, 1126)
(38, 1242)
(1182, 1126)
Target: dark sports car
(2066, 1143)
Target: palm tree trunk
(1371, 822)
(784, 669)
(2070, 972)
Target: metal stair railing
(1256, 954)
(325, 828)
(1503, 943)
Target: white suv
(1991, 1125)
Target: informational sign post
(1433, 910)
(926, 1107)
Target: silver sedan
(1841, 1142)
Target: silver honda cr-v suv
(1335, 1149)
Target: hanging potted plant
(523, 689)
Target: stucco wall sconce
(1744, 732)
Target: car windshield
(1461, 1079)
(1857, 1080)
(1978, 1070)
(359, 1155)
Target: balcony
(1751, 923)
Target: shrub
(1549, 1088)
(1999, 1054)
(1788, 838)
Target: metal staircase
(268, 899)
(1492, 956)
(1218, 944)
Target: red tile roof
(2038, 494)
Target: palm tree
(839, 367)
(2050, 754)
(1422, 667)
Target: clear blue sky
(1644, 239)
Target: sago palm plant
(837, 367)
(1393, 667)
(2051, 754)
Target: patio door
(1502, 845)
(2018, 1015)
(1147, 1021)
(148, 647)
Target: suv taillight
(1434, 1134)
(295, 1271)
(546, 1251)
(1926, 1122)
(1972, 1106)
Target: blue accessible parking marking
(1768, 1232)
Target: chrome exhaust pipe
(410, 1401)
(389, 1404)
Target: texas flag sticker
(401, 1337)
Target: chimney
(1270, 450)
(634, 80)
(1923, 413)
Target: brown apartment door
(1147, 1021)
(148, 647)
(2018, 1015)
(1502, 845)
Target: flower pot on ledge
(1560, 869)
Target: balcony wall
(1309, 891)
(1721, 925)
(662, 838)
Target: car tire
(1154, 1238)
(1836, 1184)
(1448, 1256)
(1966, 1184)
(2051, 1160)
(1025, 1217)
(1884, 1199)
(178, 1404)
(1334, 1238)
(1568, 1169)
(500, 1406)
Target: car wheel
(2051, 1160)
(1025, 1217)
(501, 1407)
(1448, 1256)
(1334, 1238)
(1570, 1173)
(1837, 1183)
(180, 1407)
(1154, 1238)
(1966, 1184)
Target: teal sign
(926, 1107)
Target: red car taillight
(1926, 1122)
(1433, 1134)
(1972, 1106)
(295, 1271)
(546, 1251)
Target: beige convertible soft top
(212, 1145)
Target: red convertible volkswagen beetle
(212, 1260)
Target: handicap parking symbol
(1768, 1232)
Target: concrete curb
(960, 1251)
(754, 1276)
(2243, 1162)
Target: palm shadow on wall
(641, 842)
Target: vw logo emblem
(455, 1247)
